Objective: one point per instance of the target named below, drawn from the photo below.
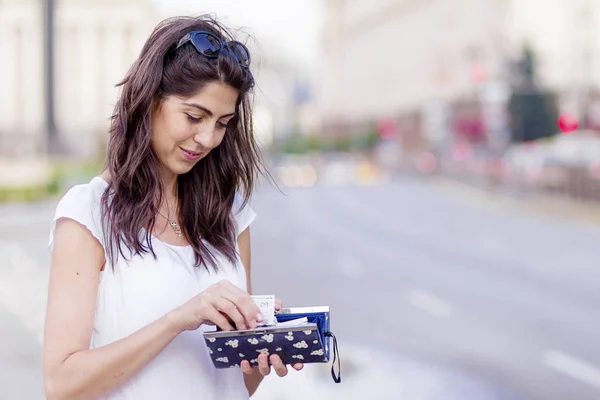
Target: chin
(179, 168)
(182, 169)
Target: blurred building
(418, 61)
(275, 103)
(95, 43)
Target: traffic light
(568, 123)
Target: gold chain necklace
(173, 223)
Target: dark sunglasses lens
(240, 52)
(207, 44)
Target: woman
(158, 245)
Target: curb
(587, 213)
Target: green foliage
(64, 173)
(300, 144)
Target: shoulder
(242, 212)
(86, 193)
(83, 200)
(83, 204)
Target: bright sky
(292, 26)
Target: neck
(170, 186)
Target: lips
(190, 155)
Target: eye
(193, 119)
(223, 125)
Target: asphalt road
(434, 295)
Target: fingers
(265, 369)
(298, 366)
(278, 304)
(278, 365)
(246, 367)
(241, 300)
(263, 364)
(213, 315)
(229, 309)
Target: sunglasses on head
(209, 45)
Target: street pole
(51, 133)
(588, 22)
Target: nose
(207, 137)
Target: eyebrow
(206, 110)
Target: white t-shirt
(136, 293)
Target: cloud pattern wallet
(300, 334)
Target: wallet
(305, 343)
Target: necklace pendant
(176, 228)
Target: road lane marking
(572, 367)
(429, 303)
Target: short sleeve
(82, 203)
(243, 216)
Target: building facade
(95, 42)
(412, 59)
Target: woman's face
(185, 130)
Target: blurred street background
(439, 171)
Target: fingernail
(259, 317)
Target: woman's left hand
(265, 362)
(264, 365)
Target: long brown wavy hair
(206, 193)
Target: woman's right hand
(220, 304)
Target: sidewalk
(587, 213)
